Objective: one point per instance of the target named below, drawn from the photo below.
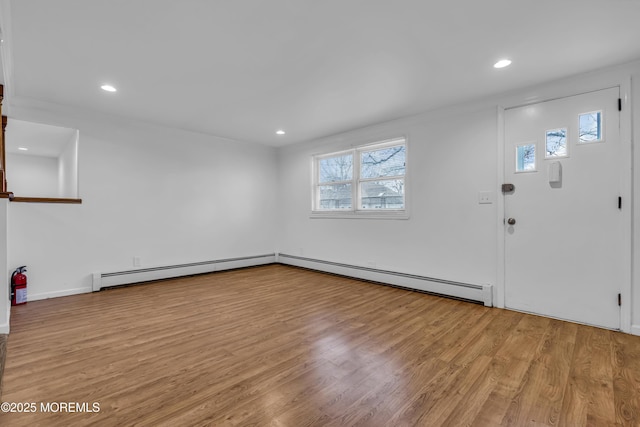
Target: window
(366, 180)
(556, 143)
(335, 179)
(590, 125)
(526, 158)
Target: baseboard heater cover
(107, 280)
(466, 291)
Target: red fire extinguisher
(19, 286)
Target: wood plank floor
(282, 346)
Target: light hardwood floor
(281, 346)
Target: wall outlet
(486, 197)
(136, 261)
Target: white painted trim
(499, 290)
(635, 330)
(361, 214)
(56, 294)
(635, 207)
(103, 280)
(96, 283)
(487, 295)
(626, 189)
(481, 293)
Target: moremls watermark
(49, 407)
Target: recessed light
(108, 88)
(502, 63)
(23, 149)
(280, 132)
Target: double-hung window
(369, 180)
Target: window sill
(402, 215)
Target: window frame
(317, 184)
(567, 138)
(356, 181)
(535, 157)
(602, 128)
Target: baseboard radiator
(465, 291)
(107, 280)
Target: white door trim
(500, 290)
(627, 203)
(626, 177)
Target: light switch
(486, 197)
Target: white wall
(451, 157)
(453, 154)
(68, 169)
(164, 195)
(171, 196)
(32, 176)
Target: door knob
(511, 221)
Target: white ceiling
(244, 68)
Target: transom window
(367, 179)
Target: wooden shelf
(45, 200)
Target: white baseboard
(480, 293)
(104, 280)
(635, 329)
(55, 294)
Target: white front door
(564, 248)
